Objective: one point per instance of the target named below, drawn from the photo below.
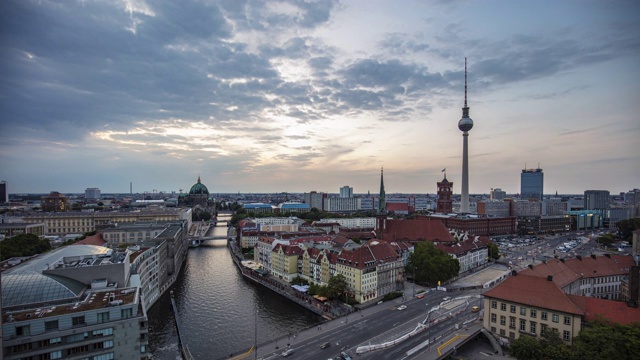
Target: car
(446, 298)
(402, 307)
(287, 352)
(420, 296)
(325, 345)
(345, 356)
(379, 302)
(475, 308)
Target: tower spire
(382, 204)
(465, 109)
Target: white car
(402, 307)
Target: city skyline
(296, 96)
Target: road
(375, 325)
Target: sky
(299, 96)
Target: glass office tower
(531, 183)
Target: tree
(627, 227)
(431, 265)
(526, 348)
(337, 286)
(606, 240)
(23, 245)
(603, 340)
(494, 252)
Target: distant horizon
(270, 96)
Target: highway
(376, 325)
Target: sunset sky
(271, 96)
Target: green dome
(198, 189)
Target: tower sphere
(465, 124)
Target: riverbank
(302, 299)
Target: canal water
(219, 309)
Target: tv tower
(465, 124)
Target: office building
(465, 124)
(92, 194)
(346, 191)
(4, 192)
(74, 302)
(315, 199)
(498, 194)
(596, 200)
(531, 184)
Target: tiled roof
(465, 246)
(562, 275)
(598, 266)
(614, 311)
(96, 239)
(397, 207)
(368, 255)
(416, 230)
(534, 291)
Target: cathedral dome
(198, 189)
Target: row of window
(566, 335)
(533, 313)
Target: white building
(355, 223)
(346, 191)
(342, 204)
(92, 194)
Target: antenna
(465, 81)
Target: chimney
(530, 266)
(593, 256)
(514, 273)
(579, 257)
(608, 255)
(549, 278)
(562, 260)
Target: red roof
(614, 311)
(463, 247)
(96, 239)
(534, 291)
(397, 207)
(562, 274)
(368, 255)
(416, 230)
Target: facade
(4, 192)
(198, 195)
(527, 208)
(553, 207)
(55, 202)
(528, 305)
(481, 226)
(543, 224)
(82, 222)
(531, 184)
(445, 193)
(78, 313)
(284, 261)
(133, 233)
(315, 199)
(470, 253)
(585, 219)
(342, 204)
(14, 229)
(351, 223)
(92, 194)
(498, 194)
(497, 208)
(346, 191)
(258, 208)
(596, 200)
(290, 206)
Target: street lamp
(255, 340)
(414, 281)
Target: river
(216, 306)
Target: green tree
(627, 227)
(299, 281)
(494, 252)
(606, 240)
(526, 348)
(356, 240)
(337, 286)
(603, 340)
(23, 245)
(431, 264)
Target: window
(494, 304)
(24, 330)
(534, 313)
(523, 325)
(55, 354)
(567, 320)
(126, 313)
(108, 356)
(512, 309)
(51, 325)
(543, 328)
(512, 322)
(493, 318)
(55, 340)
(103, 332)
(503, 320)
(532, 328)
(556, 318)
(77, 320)
(103, 317)
(566, 336)
(523, 311)
(503, 307)
(502, 332)
(512, 334)
(543, 315)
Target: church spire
(382, 204)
